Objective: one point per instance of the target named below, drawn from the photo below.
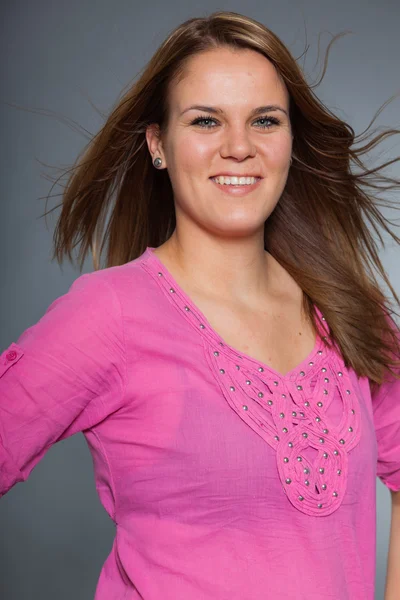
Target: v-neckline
(311, 360)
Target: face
(227, 138)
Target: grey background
(55, 535)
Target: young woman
(234, 367)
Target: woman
(234, 368)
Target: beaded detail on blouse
(287, 411)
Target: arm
(64, 374)
(393, 564)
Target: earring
(157, 162)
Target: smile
(231, 185)
(232, 180)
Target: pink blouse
(225, 479)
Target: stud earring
(157, 162)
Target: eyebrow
(256, 111)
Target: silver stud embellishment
(245, 407)
(216, 353)
(222, 371)
(260, 395)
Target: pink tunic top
(225, 479)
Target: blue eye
(272, 120)
(201, 121)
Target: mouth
(235, 179)
(236, 188)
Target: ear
(154, 143)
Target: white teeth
(223, 180)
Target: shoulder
(111, 287)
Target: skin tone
(219, 236)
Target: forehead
(229, 77)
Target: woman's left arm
(392, 588)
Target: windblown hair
(319, 229)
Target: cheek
(188, 160)
(278, 152)
(195, 153)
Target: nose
(237, 143)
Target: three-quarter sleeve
(386, 411)
(62, 375)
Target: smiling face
(234, 135)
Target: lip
(237, 190)
(231, 174)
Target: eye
(204, 122)
(200, 120)
(272, 120)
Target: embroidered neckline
(287, 411)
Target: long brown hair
(319, 229)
